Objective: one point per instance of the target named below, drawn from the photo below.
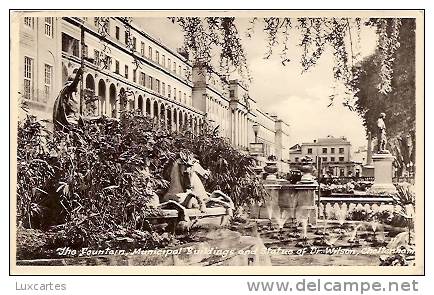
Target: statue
(381, 135)
(65, 106)
(187, 189)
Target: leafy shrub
(92, 181)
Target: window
(106, 26)
(309, 151)
(341, 150)
(174, 93)
(324, 150)
(117, 67)
(341, 159)
(174, 67)
(332, 150)
(29, 22)
(142, 79)
(134, 75)
(324, 159)
(185, 98)
(49, 27)
(134, 43)
(96, 59)
(126, 72)
(341, 172)
(150, 52)
(118, 33)
(150, 82)
(179, 70)
(179, 95)
(157, 84)
(28, 77)
(163, 60)
(332, 159)
(163, 89)
(296, 159)
(169, 63)
(231, 93)
(96, 21)
(142, 48)
(86, 51)
(48, 76)
(169, 91)
(127, 38)
(157, 56)
(70, 45)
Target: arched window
(112, 108)
(148, 106)
(101, 94)
(140, 104)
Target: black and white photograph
(217, 141)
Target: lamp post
(256, 130)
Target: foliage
(93, 181)
(398, 103)
(405, 198)
(34, 173)
(205, 36)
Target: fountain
(354, 239)
(341, 216)
(374, 225)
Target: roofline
(139, 30)
(318, 143)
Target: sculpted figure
(187, 188)
(65, 105)
(381, 134)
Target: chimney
(369, 150)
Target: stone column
(118, 106)
(245, 131)
(172, 113)
(231, 127)
(136, 102)
(369, 150)
(151, 111)
(107, 109)
(238, 129)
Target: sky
(300, 99)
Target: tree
(205, 36)
(399, 103)
(383, 82)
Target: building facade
(335, 155)
(122, 61)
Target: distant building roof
(329, 140)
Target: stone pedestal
(298, 200)
(368, 171)
(383, 174)
(270, 208)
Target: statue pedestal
(298, 200)
(383, 173)
(368, 171)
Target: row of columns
(219, 114)
(109, 103)
(239, 128)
